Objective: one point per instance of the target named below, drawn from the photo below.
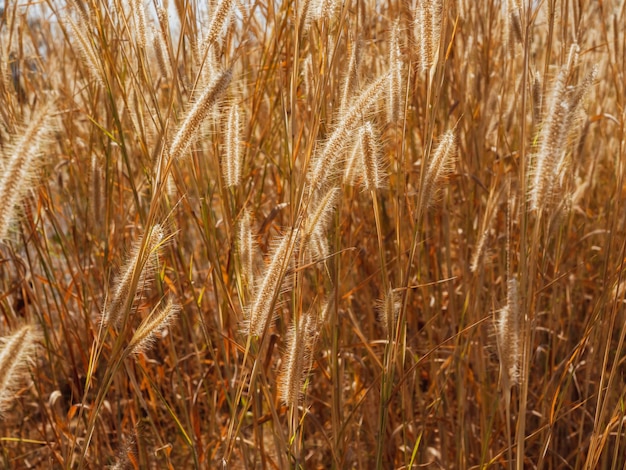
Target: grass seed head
(296, 360)
(16, 351)
(330, 156)
(84, 41)
(394, 89)
(218, 21)
(134, 276)
(151, 326)
(508, 326)
(427, 31)
(188, 130)
(233, 160)
(439, 167)
(388, 308)
(139, 14)
(560, 124)
(260, 312)
(370, 152)
(22, 161)
(246, 248)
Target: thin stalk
(387, 375)
(526, 278)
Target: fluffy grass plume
(513, 24)
(304, 15)
(163, 37)
(139, 16)
(233, 158)
(330, 155)
(350, 79)
(324, 9)
(296, 359)
(21, 161)
(559, 124)
(85, 43)
(439, 167)
(246, 248)
(428, 31)
(320, 213)
(133, 276)
(373, 177)
(508, 330)
(388, 308)
(16, 351)
(314, 232)
(394, 88)
(160, 53)
(551, 141)
(151, 326)
(354, 163)
(219, 18)
(188, 130)
(261, 309)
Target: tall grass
(312, 234)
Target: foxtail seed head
(16, 351)
(261, 309)
(508, 334)
(370, 152)
(21, 164)
(440, 166)
(246, 248)
(296, 360)
(139, 267)
(388, 309)
(232, 162)
(151, 326)
(394, 95)
(428, 32)
(220, 18)
(327, 159)
(197, 114)
(559, 125)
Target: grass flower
(16, 352)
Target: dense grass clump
(312, 234)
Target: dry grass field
(313, 234)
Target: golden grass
(312, 234)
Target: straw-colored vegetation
(312, 234)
